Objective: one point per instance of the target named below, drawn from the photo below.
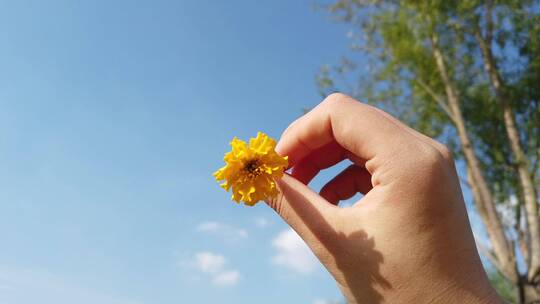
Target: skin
(408, 239)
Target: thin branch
(492, 259)
(489, 21)
(459, 27)
(440, 101)
(522, 233)
(345, 82)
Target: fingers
(359, 128)
(345, 185)
(304, 210)
(322, 158)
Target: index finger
(361, 129)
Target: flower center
(252, 168)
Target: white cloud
(214, 266)
(209, 262)
(293, 253)
(208, 226)
(223, 230)
(261, 222)
(226, 278)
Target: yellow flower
(251, 170)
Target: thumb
(310, 215)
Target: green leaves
(394, 41)
(394, 38)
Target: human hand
(408, 240)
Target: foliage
(504, 287)
(392, 64)
(392, 40)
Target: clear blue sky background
(114, 114)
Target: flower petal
(250, 184)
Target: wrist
(478, 292)
(426, 291)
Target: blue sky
(114, 114)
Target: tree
(468, 73)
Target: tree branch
(512, 132)
(440, 101)
(489, 21)
(491, 257)
(522, 232)
(482, 194)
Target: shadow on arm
(355, 257)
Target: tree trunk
(483, 197)
(525, 176)
(530, 293)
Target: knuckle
(445, 152)
(430, 157)
(330, 103)
(335, 99)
